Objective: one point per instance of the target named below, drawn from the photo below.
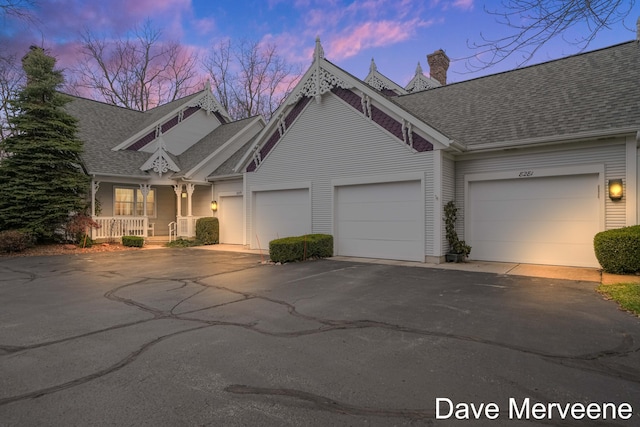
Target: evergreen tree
(41, 179)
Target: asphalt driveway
(174, 337)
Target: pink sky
(397, 33)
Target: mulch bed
(60, 249)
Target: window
(130, 202)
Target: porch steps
(157, 240)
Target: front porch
(116, 227)
(154, 212)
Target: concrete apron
(582, 274)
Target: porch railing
(187, 225)
(116, 227)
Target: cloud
(372, 34)
(463, 4)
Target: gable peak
(373, 67)
(318, 51)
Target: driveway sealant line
(82, 380)
(330, 405)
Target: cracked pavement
(195, 337)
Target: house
(150, 170)
(528, 156)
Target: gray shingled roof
(588, 92)
(226, 168)
(102, 127)
(210, 143)
(155, 114)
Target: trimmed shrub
(208, 230)
(319, 245)
(299, 248)
(15, 241)
(182, 243)
(618, 250)
(133, 241)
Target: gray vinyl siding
(448, 192)
(331, 140)
(611, 153)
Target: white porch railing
(116, 227)
(187, 225)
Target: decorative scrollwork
(319, 82)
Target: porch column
(95, 186)
(144, 189)
(178, 190)
(190, 189)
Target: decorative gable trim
(160, 161)
(421, 82)
(382, 83)
(322, 77)
(210, 104)
(283, 125)
(164, 127)
(206, 101)
(319, 82)
(401, 130)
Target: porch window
(130, 202)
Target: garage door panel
(382, 220)
(280, 213)
(231, 220)
(534, 231)
(403, 210)
(559, 209)
(373, 248)
(385, 230)
(550, 220)
(574, 254)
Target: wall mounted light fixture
(615, 189)
(214, 206)
(184, 194)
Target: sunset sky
(397, 33)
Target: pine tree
(41, 179)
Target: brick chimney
(438, 66)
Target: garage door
(547, 220)
(281, 213)
(231, 220)
(380, 221)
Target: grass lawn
(627, 295)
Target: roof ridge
(527, 67)
(106, 104)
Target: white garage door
(547, 220)
(380, 221)
(281, 213)
(231, 223)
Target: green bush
(133, 241)
(319, 245)
(182, 243)
(208, 230)
(299, 248)
(15, 241)
(618, 250)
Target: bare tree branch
(11, 79)
(138, 72)
(536, 22)
(250, 78)
(17, 8)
